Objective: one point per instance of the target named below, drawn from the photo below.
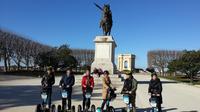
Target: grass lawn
(34, 73)
(182, 78)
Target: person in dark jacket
(155, 89)
(47, 82)
(130, 87)
(66, 83)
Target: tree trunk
(174, 74)
(18, 65)
(27, 64)
(191, 79)
(5, 62)
(163, 72)
(9, 63)
(5, 65)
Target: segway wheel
(46, 110)
(38, 108)
(98, 109)
(93, 109)
(53, 108)
(124, 110)
(59, 109)
(73, 109)
(111, 109)
(79, 108)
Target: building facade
(126, 62)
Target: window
(125, 64)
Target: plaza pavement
(22, 95)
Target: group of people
(154, 90)
(130, 85)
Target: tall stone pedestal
(104, 54)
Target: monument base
(104, 54)
(104, 66)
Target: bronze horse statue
(106, 21)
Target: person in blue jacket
(66, 83)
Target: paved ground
(4, 77)
(23, 94)
(177, 97)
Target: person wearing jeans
(66, 83)
(87, 86)
(47, 82)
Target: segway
(53, 108)
(153, 102)
(63, 108)
(111, 96)
(88, 95)
(43, 107)
(126, 99)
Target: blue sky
(139, 25)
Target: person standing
(87, 84)
(47, 82)
(66, 83)
(106, 87)
(130, 87)
(155, 90)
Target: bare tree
(159, 59)
(17, 50)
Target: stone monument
(105, 45)
(104, 53)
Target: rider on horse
(106, 21)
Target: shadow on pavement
(149, 109)
(168, 109)
(22, 95)
(163, 82)
(190, 111)
(146, 109)
(14, 96)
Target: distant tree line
(159, 59)
(84, 57)
(18, 52)
(58, 57)
(188, 64)
(182, 62)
